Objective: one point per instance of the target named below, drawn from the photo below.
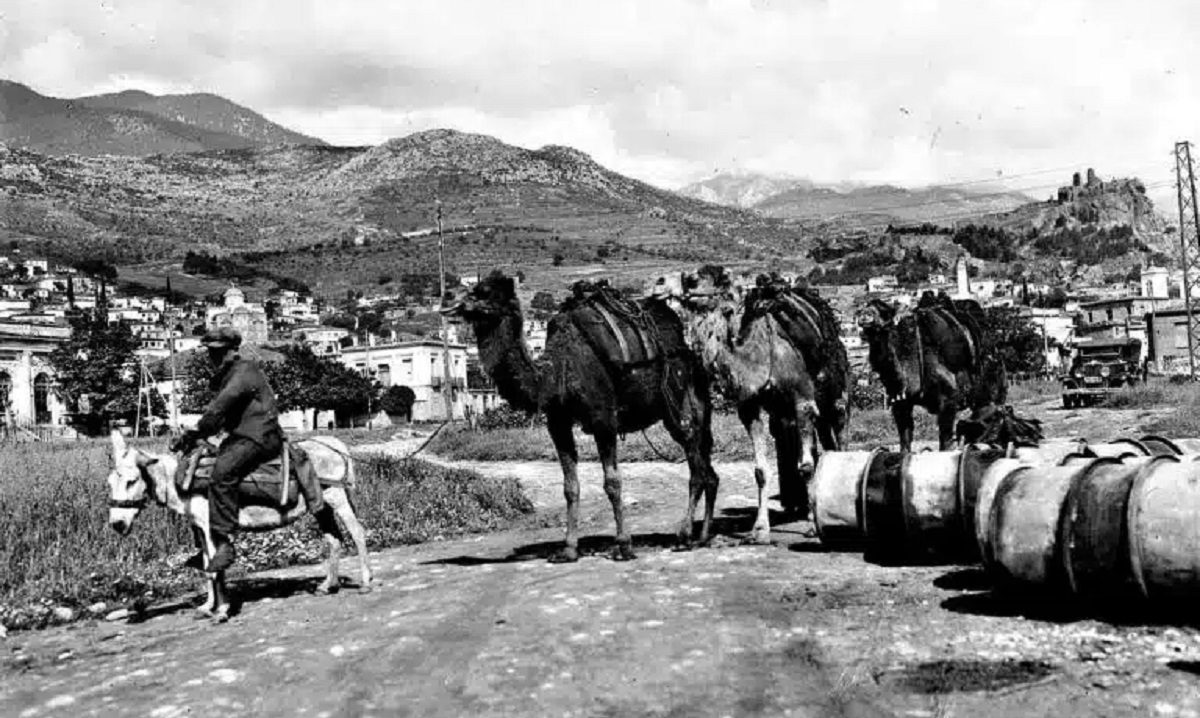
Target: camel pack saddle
(618, 328)
(278, 483)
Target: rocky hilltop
(132, 123)
(336, 215)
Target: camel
(610, 366)
(936, 357)
(776, 354)
(139, 477)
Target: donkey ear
(118, 443)
(144, 459)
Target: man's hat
(223, 337)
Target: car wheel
(1067, 403)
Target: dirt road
(486, 627)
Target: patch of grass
(1033, 391)
(1153, 395)
(1183, 422)
(868, 429)
(56, 548)
(458, 443)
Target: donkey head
(127, 484)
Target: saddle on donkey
(278, 483)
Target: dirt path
(485, 626)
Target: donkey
(139, 477)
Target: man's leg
(236, 458)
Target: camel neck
(505, 356)
(711, 335)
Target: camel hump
(622, 332)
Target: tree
(398, 400)
(97, 371)
(543, 302)
(1018, 343)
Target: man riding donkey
(246, 409)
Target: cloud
(906, 92)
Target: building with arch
(249, 320)
(27, 386)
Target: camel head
(876, 316)
(492, 298)
(128, 488)
(707, 288)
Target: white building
(27, 394)
(321, 340)
(417, 364)
(882, 283)
(249, 320)
(1156, 282)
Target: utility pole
(1189, 245)
(447, 390)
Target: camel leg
(696, 439)
(786, 433)
(902, 412)
(564, 443)
(606, 446)
(756, 427)
(340, 501)
(327, 522)
(946, 419)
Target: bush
(506, 417)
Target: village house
(417, 364)
(27, 394)
(322, 340)
(882, 284)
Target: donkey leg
(340, 501)
(756, 427)
(327, 522)
(221, 591)
(564, 443)
(205, 610)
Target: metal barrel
(1163, 524)
(836, 494)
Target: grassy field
(868, 429)
(56, 549)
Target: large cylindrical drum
(1023, 525)
(1048, 452)
(973, 465)
(883, 505)
(836, 494)
(1092, 535)
(1163, 519)
(1161, 446)
(911, 508)
(1187, 445)
(1119, 448)
(985, 497)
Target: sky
(1015, 92)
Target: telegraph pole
(1189, 245)
(447, 390)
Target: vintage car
(1100, 366)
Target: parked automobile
(1101, 366)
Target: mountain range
(142, 180)
(801, 199)
(133, 123)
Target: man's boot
(225, 554)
